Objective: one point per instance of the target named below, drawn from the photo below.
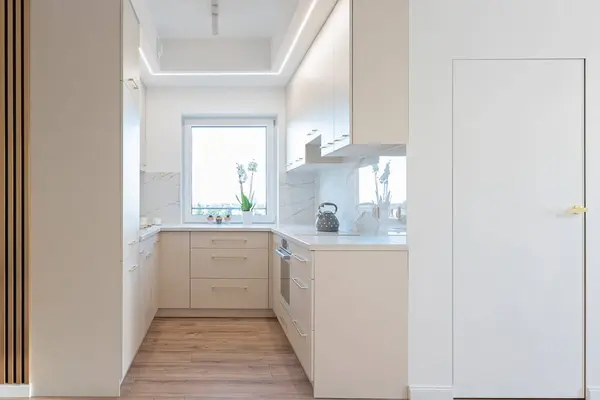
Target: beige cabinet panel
(229, 263)
(174, 270)
(230, 293)
(229, 240)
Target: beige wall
(75, 227)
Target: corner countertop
(302, 235)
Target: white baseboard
(213, 313)
(431, 393)
(14, 390)
(593, 393)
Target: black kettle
(326, 220)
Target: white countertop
(302, 235)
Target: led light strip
(243, 73)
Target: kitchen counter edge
(311, 242)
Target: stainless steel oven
(285, 271)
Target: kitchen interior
(274, 202)
(223, 186)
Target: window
(212, 150)
(375, 184)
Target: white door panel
(518, 166)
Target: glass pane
(215, 152)
(370, 186)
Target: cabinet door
(131, 174)
(174, 270)
(293, 148)
(131, 42)
(140, 299)
(340, 27)
(155, 280)
(275, 275)
(322, 72)
(130, 313)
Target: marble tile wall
(161, 196)
(297, 198)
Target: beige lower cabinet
(229, 270)
(348, 321)
(140, 290)
(230, 293)
(174, 270)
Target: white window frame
(270, 168)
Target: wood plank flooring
(216, 358)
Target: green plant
(246, 200)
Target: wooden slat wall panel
(14, 112)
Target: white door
(518, 167)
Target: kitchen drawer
(230, 240)
(301, 339)
(229, 263)
(284, 318)
(230, 293)
(301, 299)
(302, 259)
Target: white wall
(75, 227)
(441, 31)
(165, 109)
(166, 106)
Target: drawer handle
(297, 328)
(215, 257)
(281, 254)
(230, 287)
(299, 284)
(149, 255)
(134, 267)
(282, 322)
(132, 242)
(215, 241)
(297, 257)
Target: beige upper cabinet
(353, 82)
(131, 42)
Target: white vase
(247, 217)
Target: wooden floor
(216, 358)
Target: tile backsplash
(161, 196)
(297, 195)
(339, 185)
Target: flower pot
(247, 217)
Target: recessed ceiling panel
(190, 19)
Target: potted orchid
(383, 198)
(246, 199)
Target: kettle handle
(328, 204)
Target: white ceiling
(191, 19)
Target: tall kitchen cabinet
(133, 279)
(351, 89)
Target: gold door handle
(576, 209)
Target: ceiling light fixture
(214, 10)
(241, 73)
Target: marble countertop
(302, 235)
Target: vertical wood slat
(18, 198)
(26, 191)
(14, 123)
(4, 166)
(10, 243)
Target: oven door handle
(282, 255)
